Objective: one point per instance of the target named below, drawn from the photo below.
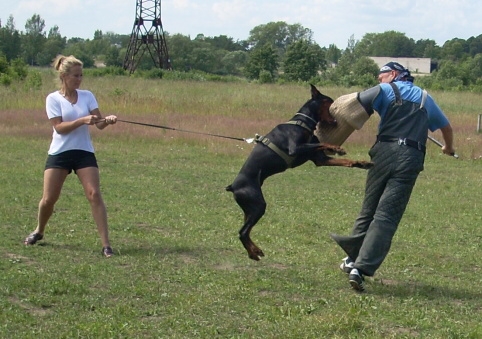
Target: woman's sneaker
(107, 251)
(32, 238)
(347, 265)
(356, 280)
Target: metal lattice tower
(147, 35)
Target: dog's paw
(337, 150)
(334, 149)
(363, 164)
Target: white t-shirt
(79, 138)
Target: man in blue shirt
(406, 114)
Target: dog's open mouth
(331, 123)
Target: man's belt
(402, 141)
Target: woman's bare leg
(54, 179)
(89, 177)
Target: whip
(442, 145)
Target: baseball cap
(403, 73)
(392, 66)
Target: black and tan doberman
(288, 145)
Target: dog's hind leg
(250, 219)
(252, 202)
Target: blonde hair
(63, 64)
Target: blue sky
(332, 21)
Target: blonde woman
(71, 112)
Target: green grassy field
(180, 270)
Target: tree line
(273, 52)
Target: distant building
(414, 65)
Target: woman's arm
(65, 127)
(102, 123)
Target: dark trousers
(387, 192)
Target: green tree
(226, 43)
(342, 74)
(261, 59)
(113, 57)
(303, 61)
(333, 54)
(475, 45)
(364, 47)
(348, 57)
(233, 62)
(388, 44)
(9, 71)
(426, 49)
(75, 40)
(447, 70)
(34, 39)
(448, 76)
(455, 49)
(10, 43)
(364, 72)
(79, 50)
(54, 45)
(4, 65)
(205, 58)
(180, 52)
(209, 54)
(469, 71)
(279, 35)
(99, 45)
(476, 67)
(18, 68)
(119, 40)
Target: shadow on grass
(422, 290)
(56, 246)
(149, 251)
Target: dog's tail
(229, 188)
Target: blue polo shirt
(409, 92)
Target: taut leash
(248, 140)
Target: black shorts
(71, 160)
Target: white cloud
(230, 11)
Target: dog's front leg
(332, 148)
(329, 161)
(311, 147)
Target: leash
(248, 140)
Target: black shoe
(107, 252)
(347, 265)
(356, 280)
(33, 238)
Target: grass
(179, 269)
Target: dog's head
(323, 105)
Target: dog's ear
(314, 91)
(316, 94)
